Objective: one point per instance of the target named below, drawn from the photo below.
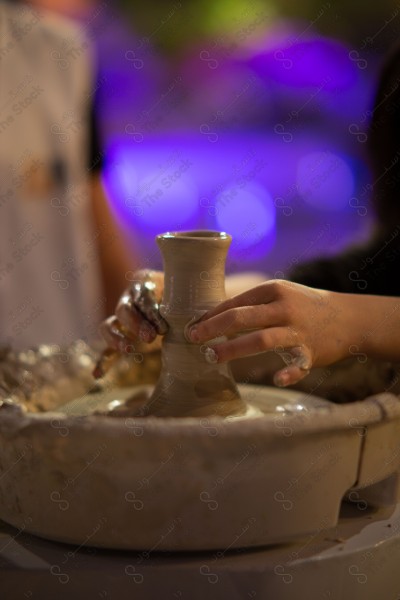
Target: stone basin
(114, 480)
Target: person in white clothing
(62, 256)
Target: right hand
(129, 324)
(310, 327)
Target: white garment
(50, 287)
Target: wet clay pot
(191, 384)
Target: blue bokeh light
(167, 202)
(248, 214)
(325, 181)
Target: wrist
(352, 324)
(379, 336)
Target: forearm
(116, 259)
(376, 327)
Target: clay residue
(125, 408)
(221, 394)
(213, 387)
(213, 395)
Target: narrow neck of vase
(194, 270)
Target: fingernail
(211, 356)
(194, 334)
(282, 379)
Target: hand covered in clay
(137, 313)
(307, 327)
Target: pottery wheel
(177, 483)
(261, 400)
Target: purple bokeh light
(151, 195)
(311, 62)
(255, 186)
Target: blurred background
(243, 116)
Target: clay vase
(189, 385)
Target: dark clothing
(369, 269)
